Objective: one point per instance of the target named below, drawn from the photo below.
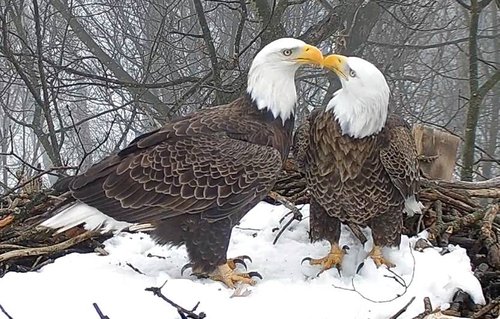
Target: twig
(99, 312)
(488, 237)
(135, 269)
(459, 223)
(491, 183)
(5, 312)
(183, 312)
(47, 171)
(494, 303)
(402, 310)
(396, 277)
(47, 249)
(427, 309)
(297, 215)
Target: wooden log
(436, 150)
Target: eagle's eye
(287, 52)
(352, 73)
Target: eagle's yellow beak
(338, 64)
(310, 55)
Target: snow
(68, 287)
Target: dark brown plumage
(193, 179)
(357, 180)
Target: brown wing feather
(182, 175)
(214, 162)
(399, 156)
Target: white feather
(361, 106)
(81, 213)
(412, 206)
(271, 79)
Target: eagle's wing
(301, 137)
(301, 144)
(165, 175)
(399, 156)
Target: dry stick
(402, 310)
(459, 195)
(99, 312)
(135, 269)
(484, 193)
(11, 246)
(47, 249)
(494, 303)
(5, 312)
(297, 215)
(47, 171)
(396, 277)
(463, 221)
(487, 235)
(436, 195)
(183, 312)
(427, 309)
(491, 183)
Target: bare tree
(79, 80)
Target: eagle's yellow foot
(378, 259)
(333, 259)
(230, 278)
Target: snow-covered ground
(68, 287)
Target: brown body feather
(194, 178)
(363, 181)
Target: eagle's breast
(346, 175)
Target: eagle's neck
(360, 115)
(270, 130)
(272, 87)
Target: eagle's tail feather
(93, 219)
(413, 206)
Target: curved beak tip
(338, 64)
(311, 55)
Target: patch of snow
(68, 287)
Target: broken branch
(47, 249)
(183, 312)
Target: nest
(463, 213)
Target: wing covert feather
(399, 156)
(216, 175)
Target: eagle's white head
(362, 104)
(271, 79)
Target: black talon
(306, 259)
(240, 261)
(245, 257)
(186, 266)
(200, 275)
(255, 274)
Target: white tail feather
(412, 206)
(80, 213)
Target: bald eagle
(194, 179)
(360, 164)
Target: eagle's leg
(386, 232)
(377, 257)
(207, 244)
(324, 226)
